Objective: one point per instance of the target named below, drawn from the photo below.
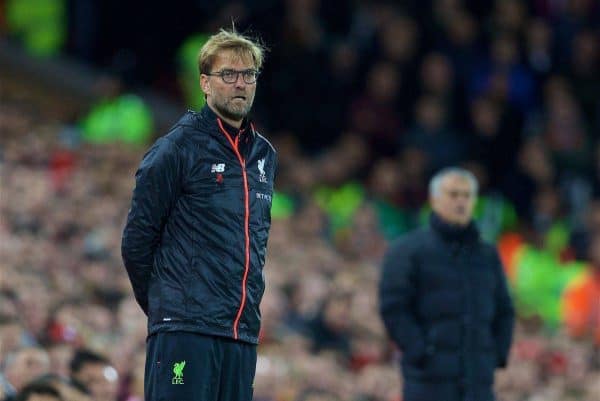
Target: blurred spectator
(38, 392)
(386, 184)
(548, 216)
(533, 169)
(25, 364)
(373, 115)
(540, 58)
(580, 300)
(12, 335)
(581, 235)
(330, 329)
(362, 238)
(431, 134)
(453, 333)
(438, 79)
(398, 40)
(60, 358)
(503, 76)
(583, 74)
(493, 140)
(95, 373)
(414, 164)
(458, 38)
(510, 16)
(493, 213)
(69, 391)
(564, 130)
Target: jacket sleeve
(504, 317)
(158, 182)
(397, 296)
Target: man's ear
(205, 84)
(432, 201)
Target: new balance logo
(217, 168)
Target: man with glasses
(445, 302)
(195, 240)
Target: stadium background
(364, 100)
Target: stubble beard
(232, 111)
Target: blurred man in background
(196, 235)
(95, 374)
(24, 365)
(39, 392)
(444, 300)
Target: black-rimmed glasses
(231, 76)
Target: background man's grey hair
(436, 181)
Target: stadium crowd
(362, 108)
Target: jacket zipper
(234, 145)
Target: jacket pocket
(443, 365)
(211, 293)
(483, 339)
(484, 366)
(166, 299)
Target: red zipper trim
(234, 145)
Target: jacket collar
(452, 232)
(208, 120)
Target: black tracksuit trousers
(182, 366)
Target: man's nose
(239, 81)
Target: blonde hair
(242, 46)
